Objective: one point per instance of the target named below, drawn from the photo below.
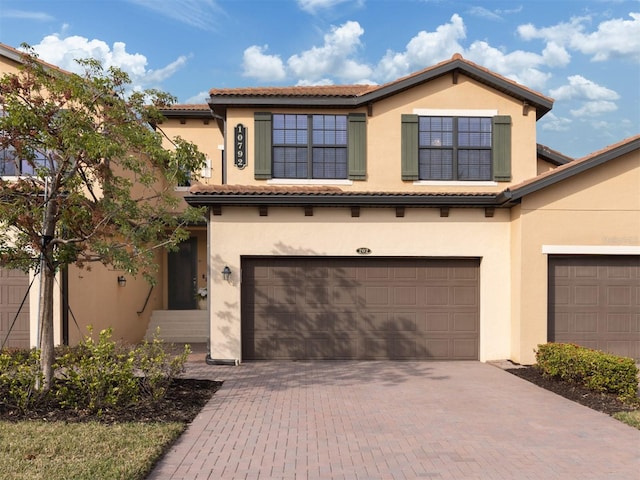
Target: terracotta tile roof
(355, 91)
(567, 168)
(313, 190)
(196, 107)
(299, 91)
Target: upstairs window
(310, 146)
(454, 148)
(439, 148)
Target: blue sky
(585, 54)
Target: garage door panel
(465, 349)
(387, 314)
(601, 310)
(465, 296)
(14, 320)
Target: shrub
(596, 370)
(157, 368)
(19, 378)
(96, 375)
(92, 376)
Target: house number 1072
(240, 148)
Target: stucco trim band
(591, 249)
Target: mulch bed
(184, 400)
(603, 402)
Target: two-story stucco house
(413, 220)
(418, 219)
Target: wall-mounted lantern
(122, 281)
(226, 273)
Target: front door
(182, 271)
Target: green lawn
(61, 451)
(630, 418)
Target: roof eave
(337, 200)
(558, 176)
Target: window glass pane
(435, 131)
(330, 163)
(474, 132)
(435, 164)
(7, 163)
(474, 165)
(289, 162)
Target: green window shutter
(357, 147)
(262, 143)
(409, 140)
(501, 148)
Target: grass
(60, 451)
(631, 418)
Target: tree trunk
(45, 322)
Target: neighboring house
(413, 220)
(102, 297)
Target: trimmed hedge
(596, 370)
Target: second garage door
(360, 308)
(594, 301)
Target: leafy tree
(95, 182)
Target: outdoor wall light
(226, 273)
(122, 281)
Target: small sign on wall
(240, 146)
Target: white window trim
(445, 112)
(458, 183)
(307, 181)
(591, 249)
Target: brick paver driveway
(394, 420)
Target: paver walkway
(393, 420)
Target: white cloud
(612, 38)
(553, 123)
(333, 57)
(198, 98)
(555, 55)
(202, 14)
(423, 50)
(312, 6)
(597, 107)
(63, 52)
(27, 15)
(519, 66)
(582, 89)
(484, 13)
(258, 65)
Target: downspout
(65, 305)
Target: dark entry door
(182, 265)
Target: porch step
(179, 326)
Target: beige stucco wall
(384, 127)
(96, 300)
(333, 232)
(206, 134)
(598, 208)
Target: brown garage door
(360, 308)
(594, 301)
(13, 287)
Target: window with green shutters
(442, 148)
(317, 146)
